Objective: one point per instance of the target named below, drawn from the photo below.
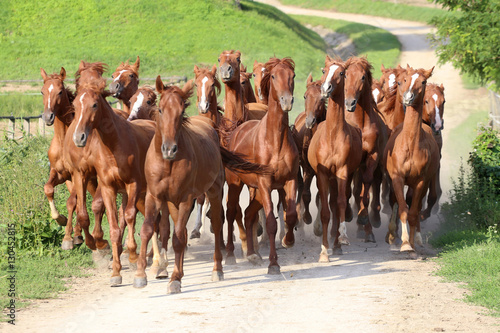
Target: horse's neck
(399, 113)
(213, 113)
(276, 135)
(250, 94)
(107, 129)
(233, 101)
(335, 118)
(63, 119)
(412, 126)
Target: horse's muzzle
(408, 99)
(286, 103)
(169, 150)
(350, 105)
(115, 88)
(203, 107)
(80, 139)
(310, 121)
(48, 118)
(325, 92)
(226, 72)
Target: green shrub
(485, 157)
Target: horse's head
(434, 107)
(333, 76)
(377, 92)
(258, 72)
(413, 85)
(142, 102)
(89, 104)
(207, 87)
(229, 66)
(388, 80)
(314, 103)
(244, 77)
(278, 82)
(89, 72)
(358, 77)
(125, 80)
(172, 106)
(53, 94)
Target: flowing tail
(236, 163)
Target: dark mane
(273, 62)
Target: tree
(469, 38)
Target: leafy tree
(470, 38)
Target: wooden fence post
(26, 126)
(41, 126)
(11, 128)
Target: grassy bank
(373, 8)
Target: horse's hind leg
(215, 197)
(98, 210)
(161, 253)
(67, 242)
(201, 203)
(375, 204)
(251, 214)
(431, 200)
(289, 191)
(234, 190)
(306, 196)
(130, 215)
(54, 179)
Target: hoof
(273, 270)
(360, 233)
(217, 276)
(393, 248)
(116, 281)
(307, 217)
(370, 238)
(375, 219)
(348, 213)
(195, 234)
(140, 282)
(174, 287)
(323, 258)
(67, 245)
(406, 247)
(62, 220)
(344, 240)
(318, 230)
(285, 244)
(255, 259)
(162, 274)
(363, 220)
(337, 251)
(230, 260)
(78, 240)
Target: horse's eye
(253, 74)
(272, 76)
(131, 76)
(213, 84)
(95, 105)
(363, 78)
(238, 59)
(218, 60)
(424, 82)
(323, 71)
(405, 80)
(112, 76)
(60, 93)
(149, 102)
(294, 75)
(41, 92)
(342, 74)
(304, 96)
(426, 102)
(399, 83)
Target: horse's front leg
(98, 209)
(109, 198)
(55, 178)
(271, 225)
(323, 189)
(179, 240)
(82, 216)
(291, 212)
(130, 214)
(233, 196)
(215, 195)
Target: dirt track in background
(367, 289)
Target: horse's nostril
(292, 99)
(174, 149)
(82, 138)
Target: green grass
(373, 8)
(472, 257)
(380, 46)
(460, 139)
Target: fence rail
(26, 125)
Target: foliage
(469, 39)
(24, 168)
(373, 8)
(485, 157)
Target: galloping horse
(258, 73)
(362, 112)
(125, 82)
(267, 142)
(143, 104)
(433, 117)
(89, 71)
(183, 162)
(103, 142)
(58, 111)
(411, 158)
(335, 154)
(305, 126)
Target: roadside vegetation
(169, 38)
(469, 234)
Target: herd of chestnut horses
(376, 140)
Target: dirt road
(367, 289)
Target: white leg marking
(343, 230)
(405, 236)
(53, 210)
(418, 239)
(375, 93)
(331, 71)
(118, 77)
(324, 250)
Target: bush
(485, 157)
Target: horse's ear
(407, 67)
(81, 66)
(238, 54)
(328, 58)
(137, 64)
(243, 68)
(442, 87)
(196, 70)
(43, 73)
(63, 73)
(382, 68)
(309, 79)
(159, 85)
(214, 70)
(428, 73)
(255, 63)
(188, 87)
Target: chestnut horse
(103, 142)
(258, 73)
(184, 161)
(267, 142)
(433, 116)
(335, 154)
(305, 126)
(377, 91)
(89, 71)
(143, 104)
(125, 82)
(362, 112)
(248, 94)
(58, 111)
(411, 158)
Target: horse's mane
(98, 67)
(207, 71)
(325, 101)
(127, 66)
(367, 67)
(265, 84)
(389, 102)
